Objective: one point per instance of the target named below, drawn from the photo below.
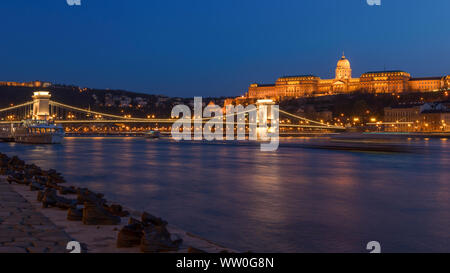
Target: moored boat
(38, 132)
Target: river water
(291, 200)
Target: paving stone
(12, 249)
(17, 205)
(51, 234)
(38, 228)
(18, 244)
(44, 244)
(4, 214)
(58, 249)
(63, 243)
(24, 228)
(24, 239)
(5, 238)
(31, 222)
(33, 249)
(12, 220)
(14, 234)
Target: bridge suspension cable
(310, 120)
(16, 106)
(54, 103)
(232, 114)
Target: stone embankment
(39, 214)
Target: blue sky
(216, 47)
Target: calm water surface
(292, 200)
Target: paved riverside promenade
(26, 227)
(25, 230)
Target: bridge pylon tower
(41, 107)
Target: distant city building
(109, 100)
(374, 82)
(140, 102)
(125, 101)
(428, 117)
(37, 84)
(436, 120)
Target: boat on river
(38, 132)
(152, 134)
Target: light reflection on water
(292, 200)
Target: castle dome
(343, 63)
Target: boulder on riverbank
(50, 198)
(130, 235)
(85, 195)
(148, 219)
(95, 214)
(158, 239)
(116, 210)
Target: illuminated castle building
(373, 82)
